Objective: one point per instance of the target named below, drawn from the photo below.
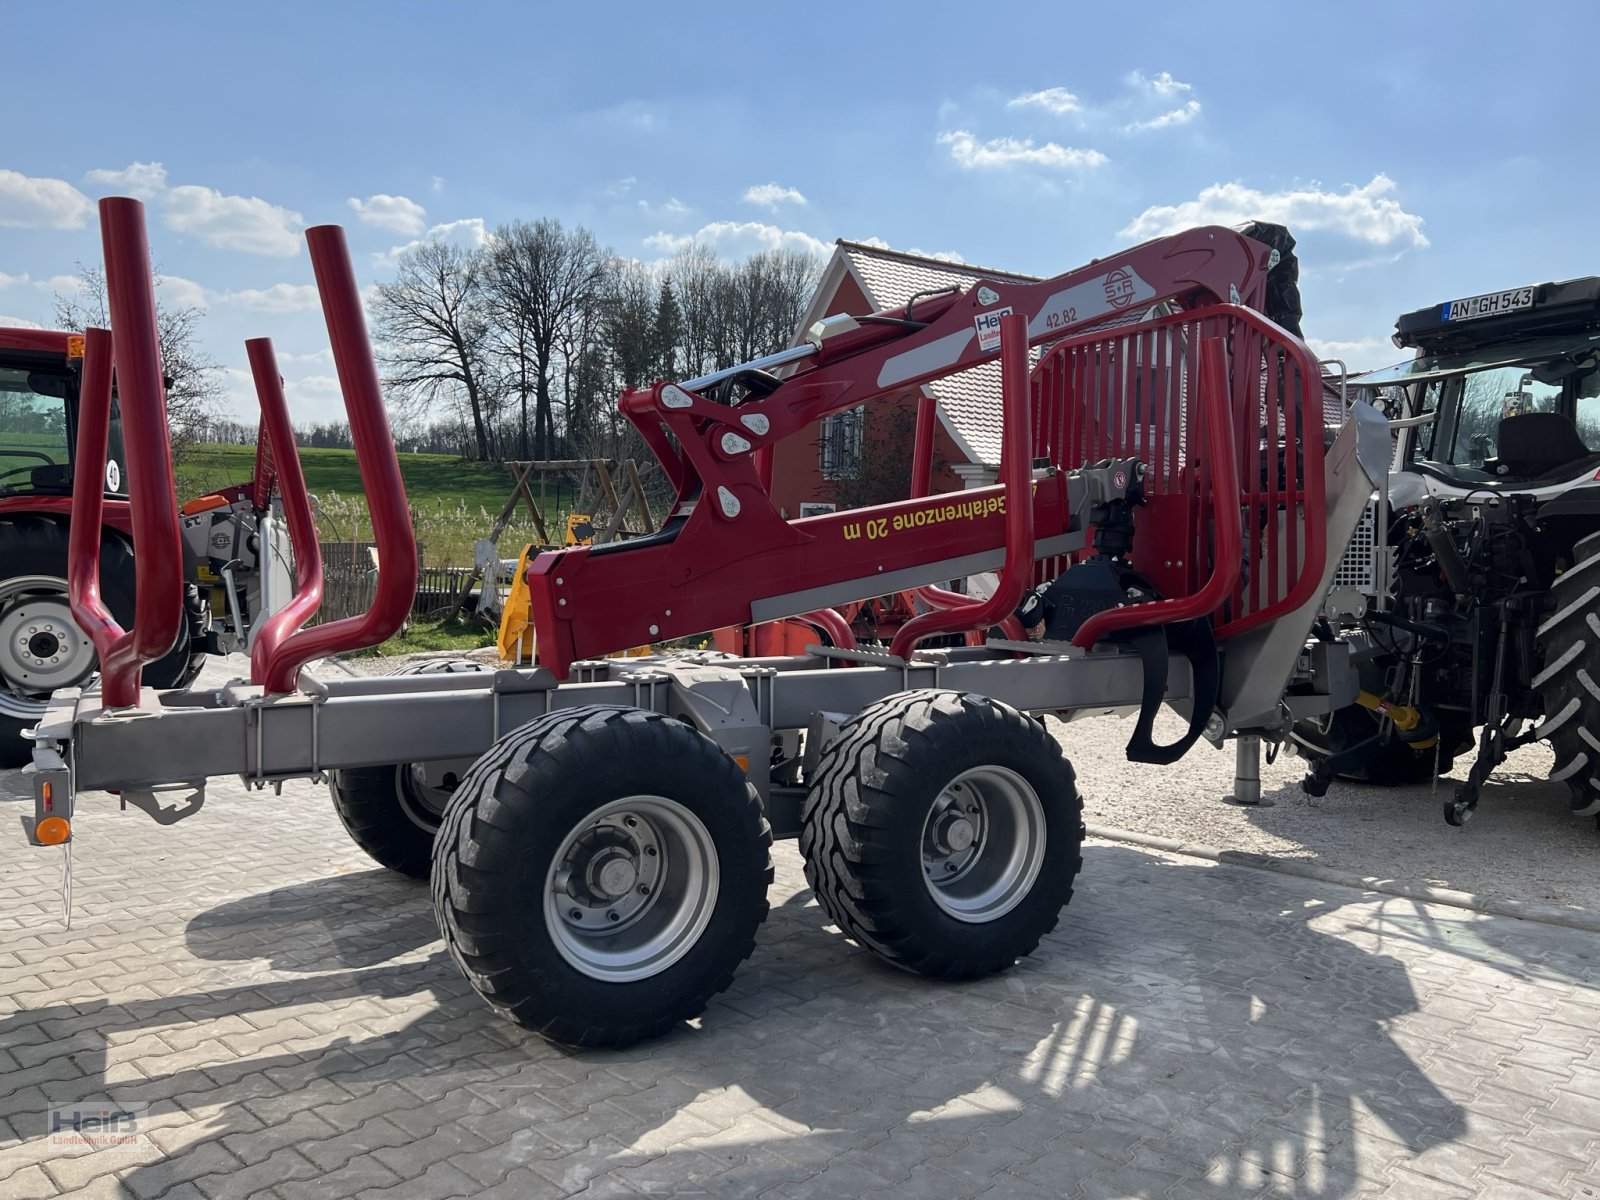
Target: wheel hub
(983, 844)
(613, 874)
(631, 890)
(609, 873)
(41, 647)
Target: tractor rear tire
(1569, 680)
(601, 874)
(33, 606)
(943, 832)
(392, 812)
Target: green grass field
(454, 502)
(429, 477)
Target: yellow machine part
(516, 618)
(580, 529)
(1404, 716)
(516, 641)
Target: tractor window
(33, 428)
(1471, 407)
(1586, 409)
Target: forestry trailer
(226, 539)
(1471, 596)
(597, 830)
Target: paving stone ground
(287, 1012)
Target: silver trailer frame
(173, 742)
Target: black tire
(34, 548)
(871, 822)
(1569, 680)
(565, 785)
(392, 812)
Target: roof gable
(969, 401)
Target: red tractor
(42, 649)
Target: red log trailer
(597, 830)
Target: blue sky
(1416, 157)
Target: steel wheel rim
(631, 889)
(422, 803)
(41, 647)
(983, 844)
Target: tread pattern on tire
(1571, 695)
(847, 847)
(366, 798)
(369, 809)
(478, 842)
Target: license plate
(1488, 305)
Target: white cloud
(770, 195)
(1164, 89)
(672, 208)
(1163, 85)
(323, 357)
(1173, 116)
(397, 214)
(245, 223)
(67, 285)
(949, 256)
(469, 232)
(11, 280)
(1052, 99)
(967, 152)
(27, 202)
(318, 394)
(1359, 354)
(619, 188)
(279, 298)
(143, 180)
(185, 293)
(1366, 214)
(18, 322)
(738, 238)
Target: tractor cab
(1503, 394)
(39, 416)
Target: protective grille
(1131, 393)
(1358, 568)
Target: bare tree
(542, 279)
(433, 329)
(194, 382)
(732, 314)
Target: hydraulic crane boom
(727, 556)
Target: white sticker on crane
(988, 326)
(1118, 289)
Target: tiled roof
(969, 400)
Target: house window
(841, 443)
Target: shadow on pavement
(355, 920)
(1183, 1025)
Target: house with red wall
(863, 456)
